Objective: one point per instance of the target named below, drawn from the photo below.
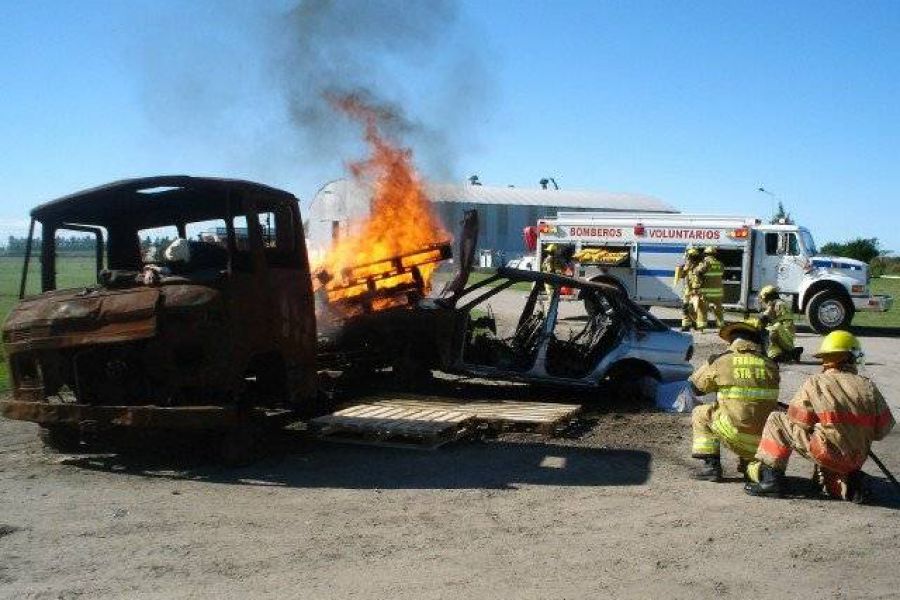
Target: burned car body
(159, 340)
(596, 336)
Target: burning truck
(218, 328)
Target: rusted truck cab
(217, 323)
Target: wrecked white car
(565, 331)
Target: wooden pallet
(424, 428)
(545, 417)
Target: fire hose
(875, 459)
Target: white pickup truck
(639, 253)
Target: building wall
(500, 232)
(500, 225)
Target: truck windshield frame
(807, 241)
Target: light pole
(767, 192)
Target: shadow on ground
(881, 492)
(298, 461)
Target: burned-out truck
(185, 338)
(198, 313)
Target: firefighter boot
(798, 351)
(768, 481)
(710, 471)
(742, 465)
(857, 490)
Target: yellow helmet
(691, 251)
(709, 250)
(839, 341)
(768, 291)
(751, 326)
(550, 248)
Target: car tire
(639, 391)
(634, 387)
(829, 310)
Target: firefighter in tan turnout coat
(778, 321)
(832, 420)
(746, 385)
(710, 272)
(693, 308)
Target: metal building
(503, 211)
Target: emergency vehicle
(640, 252)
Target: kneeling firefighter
(832, 420)
(776, 317)
(746, 383)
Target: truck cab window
(277, 230)
(76, 258)
(778, 243)
(241, 260)
(154, 242)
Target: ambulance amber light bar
(740, 234)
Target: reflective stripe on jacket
(845, 413)
(711, 271)
(746, 383)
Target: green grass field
(73, 271)
(78, 270)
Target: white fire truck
(639, 253)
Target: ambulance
(640, 252)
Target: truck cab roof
(175, 194)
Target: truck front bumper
(873, 303)
(99, 417)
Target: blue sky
(696, 103)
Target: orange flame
(401, 220)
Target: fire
(397, 245)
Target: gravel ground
(605, 511)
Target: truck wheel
(242, 444)
(60, 438)
(829, 310)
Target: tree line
(73, 244)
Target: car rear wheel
(633, 385)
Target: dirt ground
(607, 510)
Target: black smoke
(253, 83)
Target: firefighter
(558, 260)
(553, 261)
(710, 271)
(776, 317)
(690, 299)
(746, 383)
(832, 420)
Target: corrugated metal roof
(485, 194)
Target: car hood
(67, 318)
(838, 263)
